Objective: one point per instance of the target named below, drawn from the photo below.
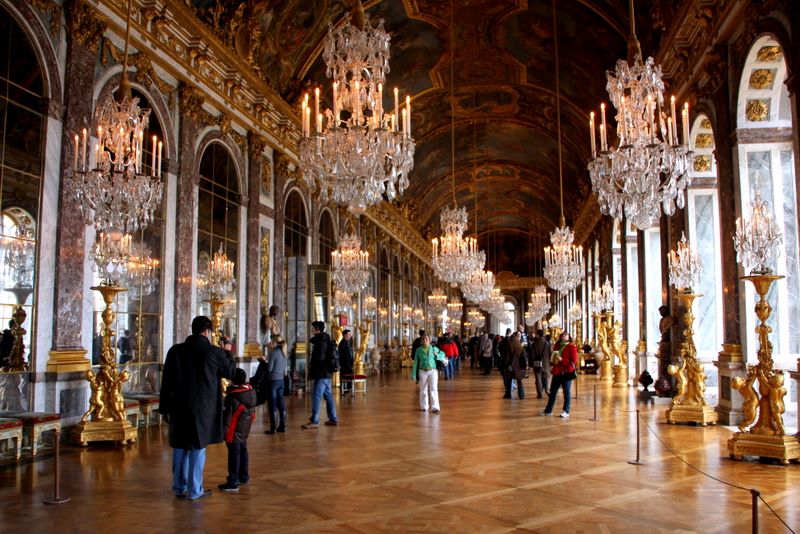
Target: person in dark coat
(346, 353)
(540, 361)
(514, 365)
(191, 401)
(240, 404)
(319, 370)
(276, 371)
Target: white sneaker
(546, 414)
(564, 415)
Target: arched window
(327, 238)
(617, 240)
(652, 288)
(295, 243)
(22, 135)
(766, 161)
(397, 305)
(632, 283)
(704, 237)
(218, 226)
(384, 301)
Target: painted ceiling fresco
(503, 58)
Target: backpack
(332, 357)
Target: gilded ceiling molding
(53, 10)
(189, 51)
(508, 281)
(587, 220)
(387, 217)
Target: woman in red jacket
(564, 371)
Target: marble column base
(68, 361)
(730, 365)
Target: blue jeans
(558, 381)
(508, 381)
(238, 463)
(457, 363)
(322, 388)
(448, 369)
(187, 472)
(275, 402)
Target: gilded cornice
(587, 219)
(189, 52)
(53, 10)
(387, 217)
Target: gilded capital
(84, 24)
(255, 144)
(190, 102)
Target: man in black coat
(346, 357)
(320, 371)
(191, 401)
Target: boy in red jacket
(240, 404)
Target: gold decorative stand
(405, 349)
(621, 376)
(17, 357)
(363, 342)
(105, 420)
(689, 404)
(607, 360)
(767, 437)
(216, 319)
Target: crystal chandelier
(455, 257)
(361, 153)
(757, 241)
(478, 287)
(530, 320)
(555, 321)
(370, 306)
(605, 296)
(455, 309)
(539, 304)
(685, 266)
(594, 301)
(476, 317)
(564, 261)
(350, 264)
(19, 257)
(141, 276)
(342, 301)
(575, 312)
(649, 169)
(496, 305)
(218, 282)
(419, 316)
(110, 254)
(437, 302)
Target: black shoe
(270, 431)
(281, 428)
(229, 488)
(506, 396)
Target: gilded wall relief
(265, 269)
(762, 78)
(702, 163)
(757, 110)
(704, 140)
(770, 54)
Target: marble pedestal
(730, 365)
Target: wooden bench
(350, 383)
(12, 429)
(132, 411)
(148, 407)
(34, 424)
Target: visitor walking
(428, 378)
(564, 372)
(277, 367)
(321, 366)
(240, 412)
(540, 361)
(514, 367)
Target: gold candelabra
(689, 404)
(16, 361)
(363, 342)
(105, 419)
(216, 319)
(767, 437)
(603, 333)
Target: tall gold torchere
(17, 357)
(603, 335)
(363, 342)
(216, 319)
(405, 347)
(105, 420)
(689, 404)
(767, 437)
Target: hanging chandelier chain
(127, 39)
(452, 108)
(558, 112)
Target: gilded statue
(771, 405)
(679, 372)
(745, 387)
(363, 341)
(602, 341)
(97, 405)
(615, 345)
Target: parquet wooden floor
(484, 464)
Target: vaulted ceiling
(503, 57)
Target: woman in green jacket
(425, 373)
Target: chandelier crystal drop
(554, 321)
(455, 309)
(757, 240)
(563, 261)
(650, 168)
(496, 305)
(575, 312)
(342, 301)
(539, 304)
(685, 266)
(455, 257)
(357, 153)
(19, 257)
(110, 255)
(437, 302)
(350, 264)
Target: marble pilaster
(253, 273)
(281, 176)
(190, 106)
(67, 354)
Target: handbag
(440, 365)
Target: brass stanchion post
(638, 460)
(755, 494)
(57, 498)
(594, 387)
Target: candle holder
(604, 335)
(105, 419)
(689, 405)
(767, 437)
